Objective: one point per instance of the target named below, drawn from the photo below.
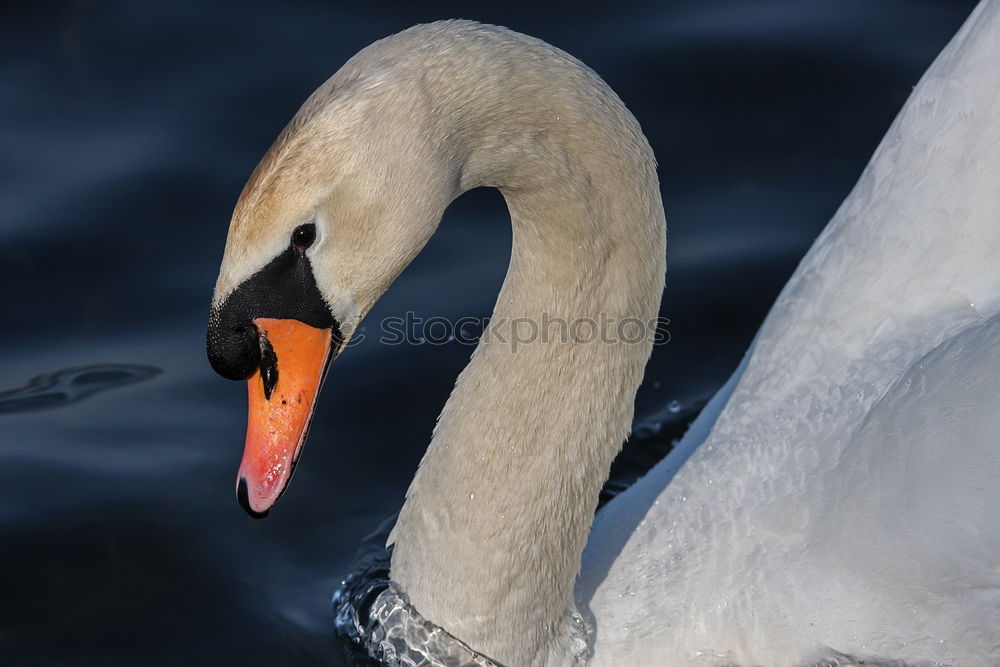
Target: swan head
(337, 208)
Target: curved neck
(489, 540)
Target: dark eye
(303, 236)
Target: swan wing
(837, 493)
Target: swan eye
(303, 236)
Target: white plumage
(848, 495)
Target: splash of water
(378, 625)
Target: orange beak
(282, 392)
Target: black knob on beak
(233, 346)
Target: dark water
(128, 129)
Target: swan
(836, 500)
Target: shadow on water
(72, 385)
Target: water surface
(129, 129)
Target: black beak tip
(243, 496)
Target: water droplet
(674, 406)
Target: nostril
(268, 366)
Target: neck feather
(489, 540)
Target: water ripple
(72, 385)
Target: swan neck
(489, 540)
